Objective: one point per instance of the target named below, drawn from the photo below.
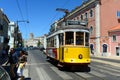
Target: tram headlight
(80, 56)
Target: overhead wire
(26, 5)
(27, 32)
(20, 10)
(56, 14)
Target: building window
(1, 27)
(86, 15)
(91, 13)
(91, 30)
(118, 14)
(81, 17)
(105, 48)
(77, 18)
(114, 38)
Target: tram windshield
(77, 38)
(82, 38)
(69, 38)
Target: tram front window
(69, 38)
(79, 38)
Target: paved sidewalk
(109, 58)
(114, 61)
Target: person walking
(21, 64)
(13, 60)
(92, 49)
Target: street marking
(97, 74)
(107, 68)
(111, 73)
(61, 73)
(42, 74)
(85, 75)
(108, 72)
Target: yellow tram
(69, 45)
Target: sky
(40, 14)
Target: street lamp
(18, 37)
(22, 21)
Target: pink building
(101, 16)
(114, 40)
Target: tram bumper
(76, 61)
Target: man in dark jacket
(13, 60)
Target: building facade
(100, 16)
(34, 41)
(4, 22)
(114, 40)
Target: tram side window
(69, 38)
(52, 42)
(86, 39)
(48, 42)
(79, 38)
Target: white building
(34, 41)
(11, 30)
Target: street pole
(18, 38)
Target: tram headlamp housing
(80, 56)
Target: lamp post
(18, 39)
(22, 21)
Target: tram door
(61, 48)
(118, 51)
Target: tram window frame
(79, 38)
(69, 38)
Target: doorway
(117, 51)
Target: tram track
(112, 72)
(88, 76)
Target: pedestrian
(21, 64)
(92, 49)
(13, 60)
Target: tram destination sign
(76, 23)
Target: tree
(39, 43)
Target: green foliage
(39, 43)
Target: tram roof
(68, 29)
